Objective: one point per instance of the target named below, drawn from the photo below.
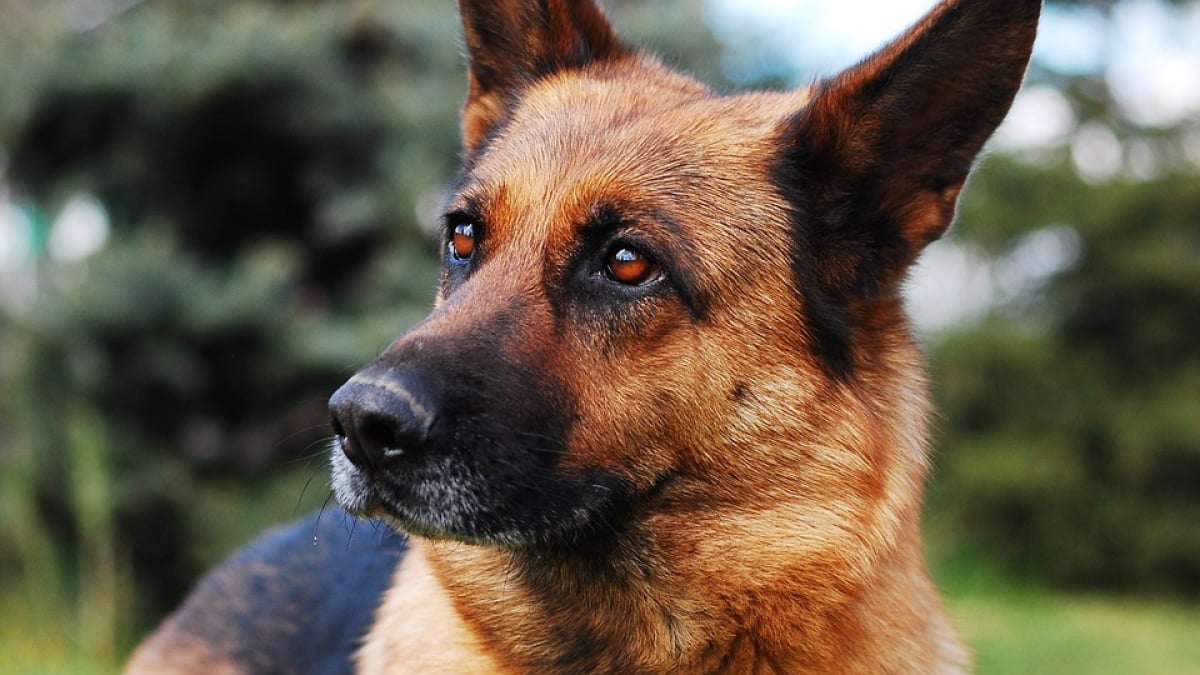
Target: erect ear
(874, 164)
(513, 43)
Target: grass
(1020, 628)
(37, 648)
(1018, 631)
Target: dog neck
(491, 610)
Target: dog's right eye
(462, 242)
(628, 266)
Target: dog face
(665, 311)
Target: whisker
(320, 514)
(299, 499)
(300, 432)
(380, 529)
(310, 456)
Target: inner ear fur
(513, 43)
(874, 164)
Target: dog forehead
(653, 143)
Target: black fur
(299, 599)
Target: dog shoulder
(299, 599)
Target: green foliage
(262, 164)
(1072, 451)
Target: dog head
(664, 310)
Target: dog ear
(513, 43)
(874, 163)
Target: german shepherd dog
(667, 415)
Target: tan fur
(416, 613)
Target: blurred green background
(212, 212)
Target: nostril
(379, 434)
(350, 445)
(337, 427)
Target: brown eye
(462, 242)
(631, 267)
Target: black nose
(379, 418)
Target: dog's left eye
(462, 241)
(629, 266)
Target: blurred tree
(261, 163)
(1071, 447)
(272, 172)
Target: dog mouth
(452, 500)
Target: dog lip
(468, 521)
(355, 489)
(421, 527)
(368, 505)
